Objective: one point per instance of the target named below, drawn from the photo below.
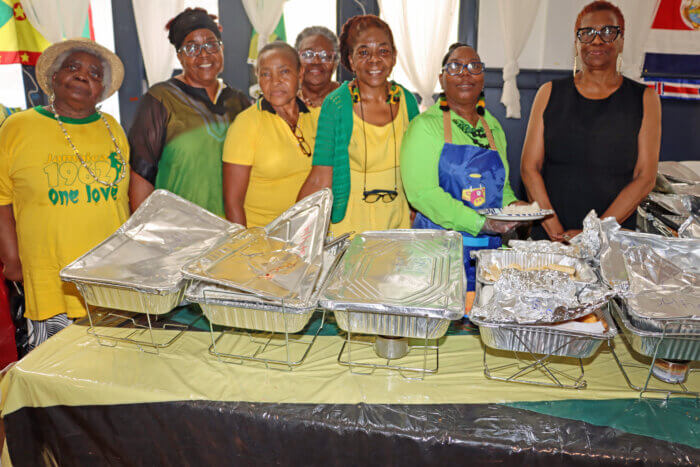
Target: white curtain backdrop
(517, 18)
(421, 32)
(264, 16)
(639, 14)
(158, 53)
(55, 19)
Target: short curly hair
(601, 5)
(352, 28)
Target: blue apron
(476, 176)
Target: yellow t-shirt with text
(261, 139)
(60, 210)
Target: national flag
(686, 89)
(20, 42)
(673, 46)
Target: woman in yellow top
(267, 152)
(360, 131)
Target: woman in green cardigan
(359, 134)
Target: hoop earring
(618, 65)
(575, 64)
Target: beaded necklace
(122, 173)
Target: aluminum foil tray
(584, 273)
(416, 273)
(391, 325)
(280, 262)
(138, 267)
(543, 340)
(227, 307)
(671, 346)
(546, 246)
(120, 298)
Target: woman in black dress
(592, 140)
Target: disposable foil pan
(228, 307)
(543, 340)
(138, 267)
(671, 346)
(280, 262)
(584, 273)
(404, 283)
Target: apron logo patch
(475, 196)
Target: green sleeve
(324, 147)
(420, 155)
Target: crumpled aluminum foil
(589, 241)
(546, 246)
(690, 228)
(538, 297)
(677, 204)
(678, 171)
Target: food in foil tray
(546, 246)
(492, 272)
(543, 296)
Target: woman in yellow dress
(267, 152)
(360, 131)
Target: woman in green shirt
(453, 160)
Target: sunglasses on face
(606, 33)
(474, 67)
(309, 55)
(375, 195)
(192, 49)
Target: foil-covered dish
(280, 262)
(544, 296)
(678, 172)
(546, 246)
(669, 344)
(138, 267)
(232, 308)
(491, 263)
(683, 253)
(406, 283)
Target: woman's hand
(554, 229)
(569, 234)
(13, 271)
(492, 227)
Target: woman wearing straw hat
(63, 180)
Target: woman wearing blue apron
(453, 161)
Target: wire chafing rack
(537, 350)
(364, 350)
(657, 345)
(139, 322)
(270, 336)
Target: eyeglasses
(474, 67)
(192, 49)
(303, 145)
(375, 195)
(309, 55)
(606, 33)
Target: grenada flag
(19, 41)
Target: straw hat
(51, 60)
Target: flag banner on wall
(673, 46)
(686, 89)
(19, 41)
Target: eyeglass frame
(303, 145)
(381, 194)
(317, 54)
(465, 66)
(200, 47)
(599, 33)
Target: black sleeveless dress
(590, 149)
